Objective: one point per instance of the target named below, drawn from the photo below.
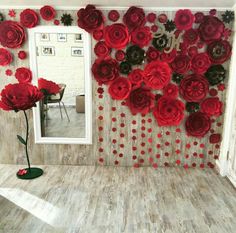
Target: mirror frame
(88, 84)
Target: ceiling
(125, 3)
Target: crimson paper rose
(134, 17)
(105, 70)
(211, 29)
(5, 57)
(212, 106)
(200, 63)
(113, 15)
(12, 34)
(47, 12)
(48, 87)
(169, 111)
(101, 49)
(157, 74)
(141, 36)
(22, 55)
(194, 88)
(19, 96)
(90, 18)
(184, 19)
(181, 64)
(171, 90)
(23, 75)
(140, 100)
(120, 88)
(29, 18)
(136, 77)
(116, 36)
(198, 124)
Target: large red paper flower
(136, 77)
(48, 87)
(105, 70)
(141, 36)
(171, 90)
(47, 13)
(116, 36)
(120, 88)
(5, 57)
(194, 88)
(169, 111)
(101, 49)
(198, 124)
(140, 100)
(181, 64)
(19, 96)
(200, 63)
(219, 51)
(157, 74)
(90, 18)
(23, 75)
(191, 36)
(29, 18)
(184, 19)
(134, 17)
(212, 106)
(211, 29)
(12, 34)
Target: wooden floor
(114, 200)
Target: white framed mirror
(62, 55)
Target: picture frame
(62, 37)
(48, 51)
(78, 37)
(77, 51)
(44, 37)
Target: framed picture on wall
(61, 37)
(44, 37)
(77, 51)
(48, 50)
(78, 37)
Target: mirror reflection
(60, 69)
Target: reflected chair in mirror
(53, 99)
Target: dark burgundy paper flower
(113, 15)
(5, 57)
(101, 49)
(191, 36)
(29, 18)
(199, 16)
(184, 19)
(215, 138)
(151, 17)
(47, 13)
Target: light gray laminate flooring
(75, 199)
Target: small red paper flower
(157, 74)
(29, 18)
(184, 19)
(120, 88)
(194, 88)
(98, 34)
(56, 22)
(90, 18)
(168, 57)
(169, 111)
(19, 96)
(50, 87)
(200, 63)
(22, 172)
(22, 55)
(181, 64)
(212, 106)
(136, 77)
(152, 54)
(213, 92)
(162, 18)
(151, 17)
(140, 100)
(134, 17)
(47, 13)
(5, 57)
(219, 51)
(221, 87)
(191, 36)
(113, 15)
(101, 49)
(171, 90)
(105, 70)
(198, 124)
(12, 13)
(211, 29)
(8, 72)
(215, 138)
(141, 36)
(120, 55)
(199, 16)
(23, 75)
(12, 34)
(154, 28)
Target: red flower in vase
(5, 57)
(23, 75)
(29, 18)
(12, 34)
(19, 96)
(49, 87)
(47, 13)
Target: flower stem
(26, 140)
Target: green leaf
(21, 139)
